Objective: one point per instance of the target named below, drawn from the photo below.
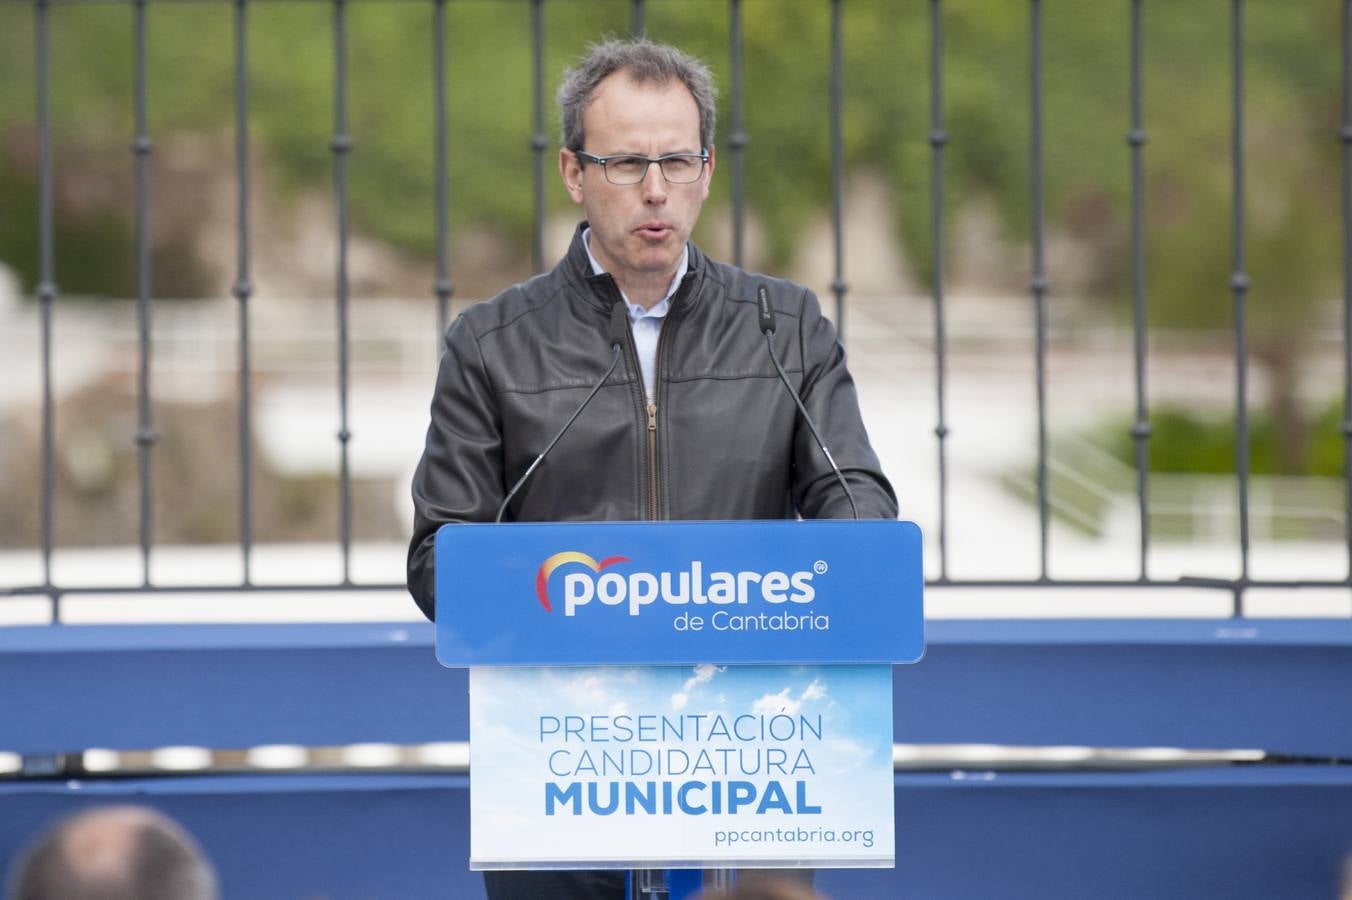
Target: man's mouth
(653, 231)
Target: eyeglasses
(677, 168)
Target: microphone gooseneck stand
(619, 325)
(766, 314)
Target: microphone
(619, 327)
(766, 314)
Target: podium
(680, 695)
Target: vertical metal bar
(1239, 286)
(46, 296)
(637, 20)
(1345, 134)
(538, 141)
(341, 145)
(1039, 283)
(243, 288)
(145, 431)
(837, 167)
(648, 884)
(444, 287)
(719, 879)
(737, 140)
(1140, 429)
(938, 137)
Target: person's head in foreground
(114, 853)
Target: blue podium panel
(662, 593)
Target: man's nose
(654, 184)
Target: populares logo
(567, 556)
(689, 586)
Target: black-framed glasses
(677, 168)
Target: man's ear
(570, 170)
(708, 173)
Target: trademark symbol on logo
(819, 567)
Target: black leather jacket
(723, 439)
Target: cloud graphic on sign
(774, 704)
(704, 673)
(846, 755)
(784, 703)
(585, 688)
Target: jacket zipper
(653, 484)
(652, 457)
(651, 409)
(644, 405)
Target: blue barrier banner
(679, 593)
(681, 767)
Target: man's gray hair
(645, 63)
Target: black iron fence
(736, 142)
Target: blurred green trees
(1187, 442)
(1292, 109)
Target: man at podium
(639, 379)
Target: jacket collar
(601, 291)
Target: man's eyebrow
(645, 156)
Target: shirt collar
(637, 312)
